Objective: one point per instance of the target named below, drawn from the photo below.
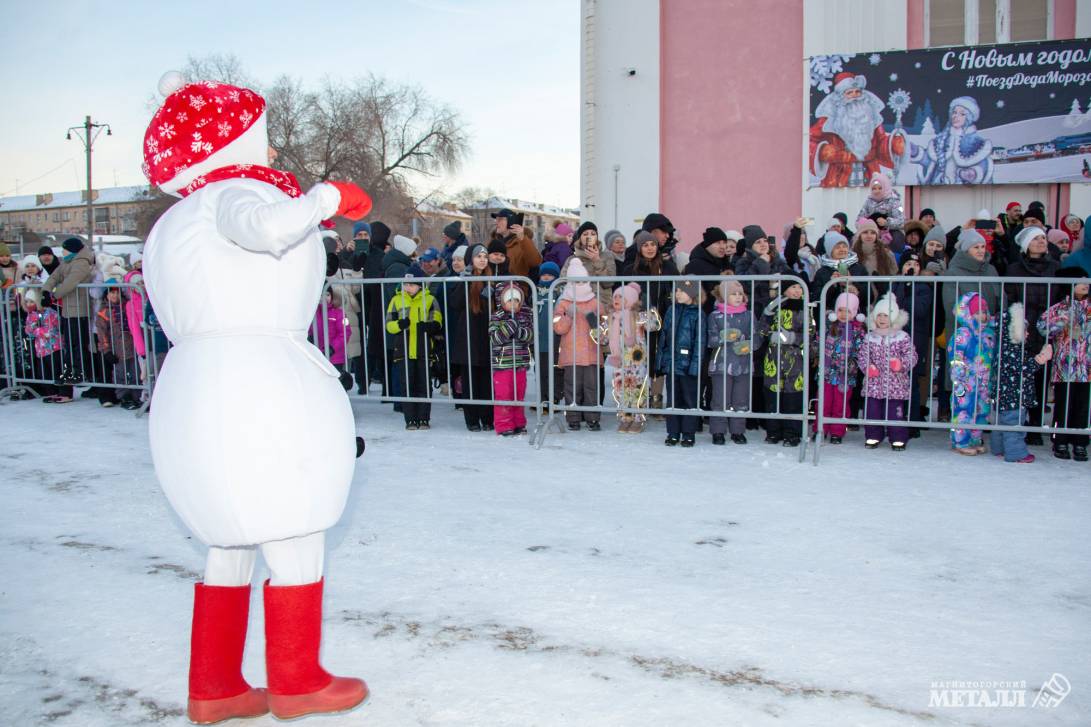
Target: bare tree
(383, 136)
(222, 67)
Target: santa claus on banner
(251, 433)
(848, 142)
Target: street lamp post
(90, 133)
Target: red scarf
(284, 181)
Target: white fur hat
(1026, 235)
(404, 245)
(888, 304)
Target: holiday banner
(1018, 113)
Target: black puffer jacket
(1036, 298)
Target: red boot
(298, 684)
(217, 690)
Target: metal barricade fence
(90, 336)
(944, 339)
(634, 340)
(451, 361)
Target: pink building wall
(731, 104)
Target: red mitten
(872, 371)
(895, 365)
(355, 202)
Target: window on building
(946, 21)
(66, 216)
(102, 214)
(1029, 20)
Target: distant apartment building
(116, 211)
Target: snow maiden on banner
(1016, 113)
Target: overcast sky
(510, 68)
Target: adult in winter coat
(839, 261)
(655, 295)
(759, 259)
(1067, 325)
(876, 258)
(374, 304)
(243, 388)
(919, 301)
(1034, 262)
(597, 262)
(468, 310)
(396, 262)
(709, 258)
(77, 268)
(523, 256)
(661, 228)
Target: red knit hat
(1011, 206)
(200, 127)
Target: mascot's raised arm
(251, 433)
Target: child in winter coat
(115, 345)
(628, 358)
(732, 342)
(1068, 325)
(844, 339)
(679, 357)
(43, 325)
(330, 329)
(887, 359)
(574, 319)
(784, 322)
(970, 358)
(134, 314)
(547, 273)
(1013, 382)
(412, 318)
(511, 329)
(883, 199)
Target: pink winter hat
(629, 294)
(563, 229)
(850, 301)
(977, 305)
(1057, 237)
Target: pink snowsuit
(134, 314)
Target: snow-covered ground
(601, 580)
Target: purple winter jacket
(557, 252)
(880, 346)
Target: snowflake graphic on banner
(874, 59)
(824, 68)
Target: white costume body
(252, 436)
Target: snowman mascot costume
(251, 433)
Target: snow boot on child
(298, 685)
(217, 690)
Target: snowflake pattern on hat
(177, 137)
